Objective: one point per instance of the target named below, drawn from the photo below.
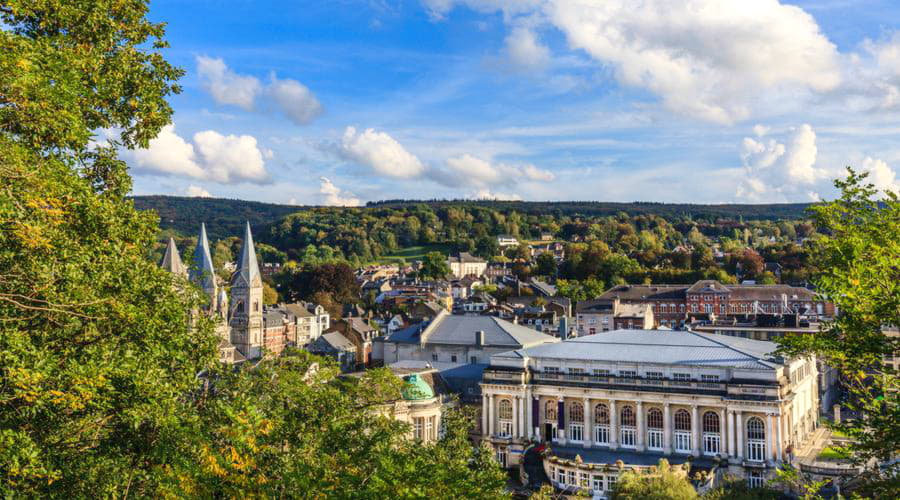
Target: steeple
(247, 273)
(171, 261)
(202, 271)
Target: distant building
(507, 240)
(465, 264)
(335, 345)
(604, 315)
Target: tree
(270, 296)
(546, 264)
(663, 482)
(336, 279)
(857, 254)
(580, 290)
(487, 247)
(434, 266)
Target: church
(247, 329)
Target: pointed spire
(247, 273)
(171, 261)
(202, 271)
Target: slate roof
(408, 335)
(646, 292)
(466, 257)
(247, 274)
(299, 310)
(595, 306)
(543, 287)
(337, 341)
(202, 271)
(660, 346)
(460, 330)
(171, 261)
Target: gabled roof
(171, 261)
(664, 347)
(299, 310)
(708, 286)
(337, 341)
(202, 271)
(460, 330)
(646, 292)
(247, 274)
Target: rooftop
(460, 330)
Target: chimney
(479, 338)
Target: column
(484, 415)
(588, 432)
(778, 423)
(490, 414)
(730, 430)
(523, 426)
(667, 430)
(695, 430)
(640, 426)
(723, 448)
(740, 434)
(562, 422)
(613, 425)
(770, 436)
(515, 417)
(528, 412)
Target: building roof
(467, 257)
(660, 346)
(247, 274)
(460, 330)
(171, 261)
(408, 335)
(202, 271)
(708, 286)
(337, 341)
(273, 317)
(632, 310)
(646, 292)
(595, 306)
(299, 310)
(543, 287)
(416, 388)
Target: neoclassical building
(722, 403)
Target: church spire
(247, 273)
(202, 271)
(171, 261)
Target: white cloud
(468, 170)
(780, 172)
(226, 86)
(381, 152)
(197, 192)
(525, 51)
(334, 196)
(287, 96)
(882, 176)
(210, 156)
(295, 100)
(486, 194)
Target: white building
(638, 395)
(465, 264)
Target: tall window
(505, 412)
(417, 427)
(756, 440)
(712, 436)
(655, 429)
(550, 411)
(502, 458)
(682, 431)
(755, 479)
(601, 424)
(429, 429)
(576, 422)
(628, 431)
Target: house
(542, 288)
(546, 236)
(562, 306)
(507, 240)
(603, 315)
(425, 311)
(556, 249)
(361, 334)
(465, 264)
(463, 287)
(311, 320)
(609, 403)
(336, 345)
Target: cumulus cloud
(882, 176)
(468, 170)
(209, 155)
(287, 96)
(776, 171)
(334, 196)
(226, 86)
(197, 192)
(381, 152)
(525, 51)
(486, 194)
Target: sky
(341, 102)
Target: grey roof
(460, 330)
(543, 287)
(466, 257)
(202, 271)
(273, 317)
(299, 310)
(641, 458)
(247, 273)
(661, 346)
(171, 261)
(408, 335)
(338, 341)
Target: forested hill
(225, 217)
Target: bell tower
(246, 301)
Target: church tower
(202, 272)
(246, 301)
(171, 261)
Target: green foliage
(337, 280)
(580, 290)
(545, 265)
(857, 255)
(663, 482)
(434, 266)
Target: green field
(410, 254)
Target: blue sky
(345, 101)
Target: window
(655, 429)
(434, 357)
(755, 479)
(551, 369)
(693, 307)
(655, 375)
(600, 372)
(429, 429)
(501, 458)
(583, 479)
(711, 434)
(571, 478)
(611, 482)
(627, 430)
(550, 411)
(627, 373)
(417, 427)
(576, 425)
(453, 358)
(473, 360)
(553, 473)
(601, 424)
(597, 484)
(682, 431)
(722, 308)
(681, 377)
(709, 378)
(505, 413)
(756, 440)
(256, 306)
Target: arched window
(655, 418)
(756, 440)
(550, 410)
(576, 412)
(628, 417)
(256, 306)
(505, 411)
(601, 414)
(682, 420)
(239, 307)
(711, 422)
